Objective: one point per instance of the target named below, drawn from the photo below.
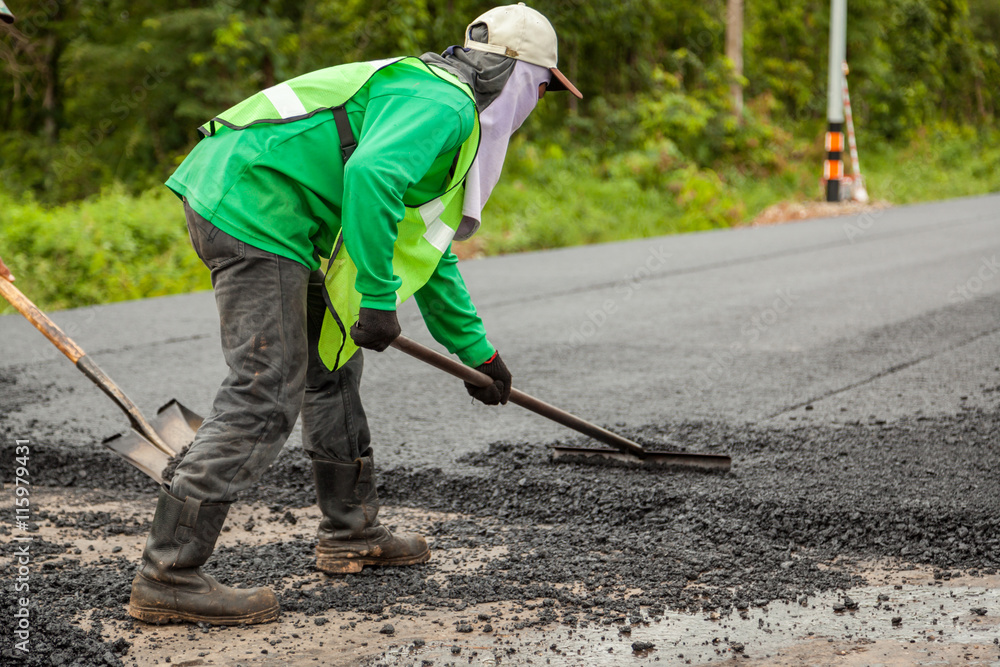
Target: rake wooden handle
(75, 353)
(518, 397)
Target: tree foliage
(102, 91)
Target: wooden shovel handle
(86, 365)
(41, 321)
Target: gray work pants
(271, 312)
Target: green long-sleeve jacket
(284, 188)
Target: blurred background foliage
(100, 100)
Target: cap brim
(560, 82)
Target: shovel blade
(141, 453)
(175, 424)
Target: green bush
(944, 160)
(108, 248)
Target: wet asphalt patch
(588, 545)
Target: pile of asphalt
(59, 591)
(579, 541)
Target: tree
(734, 50)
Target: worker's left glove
(499, 391)
(375, 329)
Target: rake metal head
(600, 455)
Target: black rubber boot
(170, 585)
(350, 535)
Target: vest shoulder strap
(347, 141)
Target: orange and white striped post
(833, 165)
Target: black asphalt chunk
(168, 473)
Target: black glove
(375, 329)
(499, 391)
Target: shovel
(149, 445)
(624, 449)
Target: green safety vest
(426, 230)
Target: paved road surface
(890, 313)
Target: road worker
(378, 166)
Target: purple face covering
(500, 120)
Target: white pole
(838, 55)
(833, 167)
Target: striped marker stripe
(834, 141)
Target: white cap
(520, 32)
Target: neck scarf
(485, 72)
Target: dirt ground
(796, 211)
(938, 620)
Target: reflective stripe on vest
(285, 101)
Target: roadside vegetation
(100, 102)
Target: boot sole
(163, 616)
(340, 565)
